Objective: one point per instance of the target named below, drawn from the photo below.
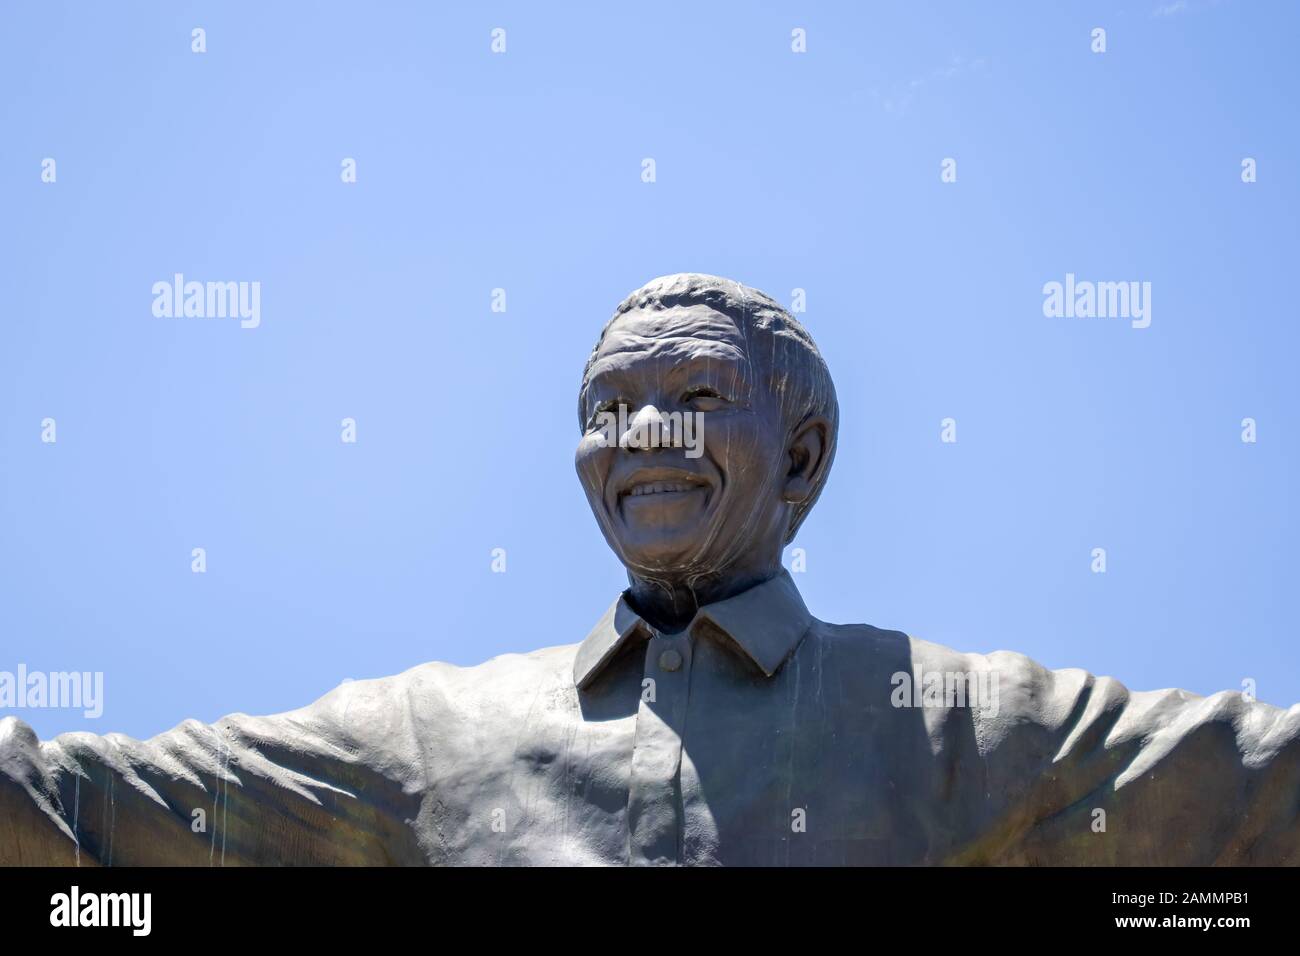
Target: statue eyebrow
(732, 373)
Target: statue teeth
(658, 487)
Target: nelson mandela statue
(708, 717)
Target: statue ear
(807, 453)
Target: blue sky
(522, 171)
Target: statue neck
(670, 605)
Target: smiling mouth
(662, 485)
(661, 488)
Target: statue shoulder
(390, 708)
(1082, 710)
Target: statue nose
(645, 430)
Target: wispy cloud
(898, 99)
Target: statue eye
(703, 398)
(610, 406)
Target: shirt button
(670, 660)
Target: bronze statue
(708, 718)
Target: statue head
(741, 417)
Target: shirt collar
(766, 622)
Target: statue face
(666, 514)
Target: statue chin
(680, 550)
(668, 566)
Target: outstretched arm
(297, 788)
(1078, 770)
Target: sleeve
(1078, 770)
(303, 788)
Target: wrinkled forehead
(676, 336)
